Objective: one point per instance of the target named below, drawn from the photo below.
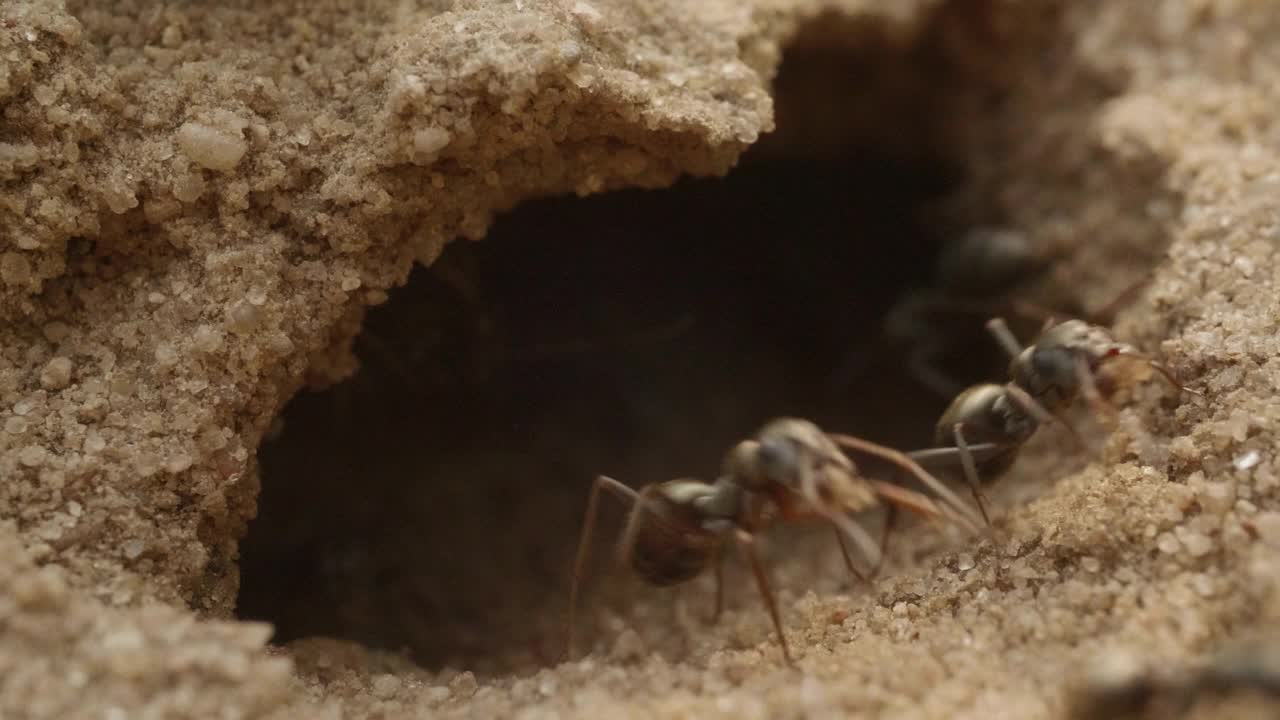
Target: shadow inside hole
(432, 501)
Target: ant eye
(776, 457)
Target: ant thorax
(1047, 370)
(1014, 421)
(721, 505)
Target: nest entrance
(637, 334)
(431, 502)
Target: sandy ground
(199, 203)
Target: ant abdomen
(669, 546)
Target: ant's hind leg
(970, 471)
(905, 462)
(718, 561)
(844, 552)
(748, 544)
(584, 544)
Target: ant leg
(1084, 377)
(1033, 311)
(927, 373)
(1004, 336)
(844, 552)
(919, 503)
(584, 543)
(642, 503)
(1104, 314)
(890, 520)
(1032, 407)
(901, 460)
(719, 606)
(1165, 372)
(748, 544)
(970, 471)
(980, 452)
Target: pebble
(386, 686)
(1247, 460)
(1198, 544)
(56, 374)
(211, 148)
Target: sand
(199, 204)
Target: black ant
(977, 274)
(1064, 361)
(791, 469)
(1046, 378)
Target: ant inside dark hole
(431, 502)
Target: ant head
(777, 457)
(788, 446)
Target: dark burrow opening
(431, 502)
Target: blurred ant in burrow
(1046, 378)
(790, 470)
(1122, 687)
(976, 275)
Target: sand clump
(198, 204)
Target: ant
(977, 275)
(1046, 378)
(1123, 689)
(790, 468)
(1002, 417)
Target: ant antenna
(1004, 336)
